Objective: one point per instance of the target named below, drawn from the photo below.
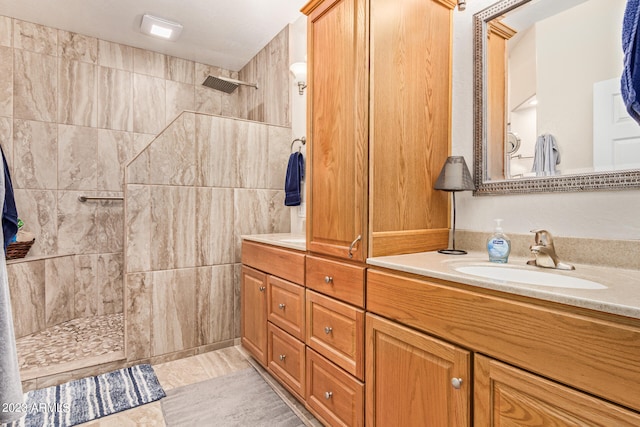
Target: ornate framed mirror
(547, 110)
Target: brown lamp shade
(454, 176)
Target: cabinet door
(507, 396)
(337, 128)
(414, 379)
(253, 308)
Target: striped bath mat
(86, 399)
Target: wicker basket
(18, 249)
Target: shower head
(225, 84)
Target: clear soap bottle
(499, 245)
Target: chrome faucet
(545, 252)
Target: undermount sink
(530, 277)
(296, 240)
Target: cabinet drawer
(333, 395)
(336, 279)
(286, 359)
(286, 306)
(283, 263)
(336, 330)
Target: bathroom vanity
(431, 345)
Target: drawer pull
(282, 357)
(328, 330)
(281, 306)
(328, 279)
(352, 245)
(328, 395)
(456, 382)
(261, 288)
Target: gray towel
(11, 397)
(546, 156)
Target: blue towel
(295, 175)
(630, 80)
(9, 211)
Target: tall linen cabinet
(379, 119)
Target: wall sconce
(299, 71)
(462, 5)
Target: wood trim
(597, 355)
(501, 29)
(451, 4)
(409, 241)
(288, 264)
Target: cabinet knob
(328, 395)
(328, 279)
(261, 288)
(281, 306)
(456, 382)
(282, 357)
(328, 330)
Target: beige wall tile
(115, 148)
(138, 288)
(253, 154)
(109, 224)
(35, 86)
(77, 157)
(115, 98)
(215, 292)
(174, 311)
(237, 317)
(216, 146)
(110, 281)
(280, 139)
(139, 170)
(214, 226)
(172, 155)
(6, 141)
(77, 93)
(115, 55)
(172, 227)
(6, 81)
(276, 81)
(149, 101)
(180, 70)
(88, 293)
(59, 290)
(138, 228)
(149, 63)
(77, 47)
(26, 287)
(34, 37)
(37, 208)
(76, 224)
(180, 97)
(207, 100)
(6, 31)
(36, 155)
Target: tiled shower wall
(73, 111)
(190, 195)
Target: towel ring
(302, 140)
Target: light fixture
(454, 176)
(462, 5)
(299, 71)
(160, 27)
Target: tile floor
(187, 371)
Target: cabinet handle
(282, 357)
(456, 382)
(328, 330)
(261, 288)
(353, 244)
(281, 306)
(328, 395)
(328, 279)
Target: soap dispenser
(499, 245)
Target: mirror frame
(615, 180)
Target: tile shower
(74, 110)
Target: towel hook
(302, 140)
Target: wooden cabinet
(287, 359)
(253, 308)
(378, 125)
(286, 306)
(414, 379)
(337, 279)
(337, 114)
(507, 396)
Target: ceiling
(225, 33)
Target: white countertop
(285, 240)
(621, 295)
